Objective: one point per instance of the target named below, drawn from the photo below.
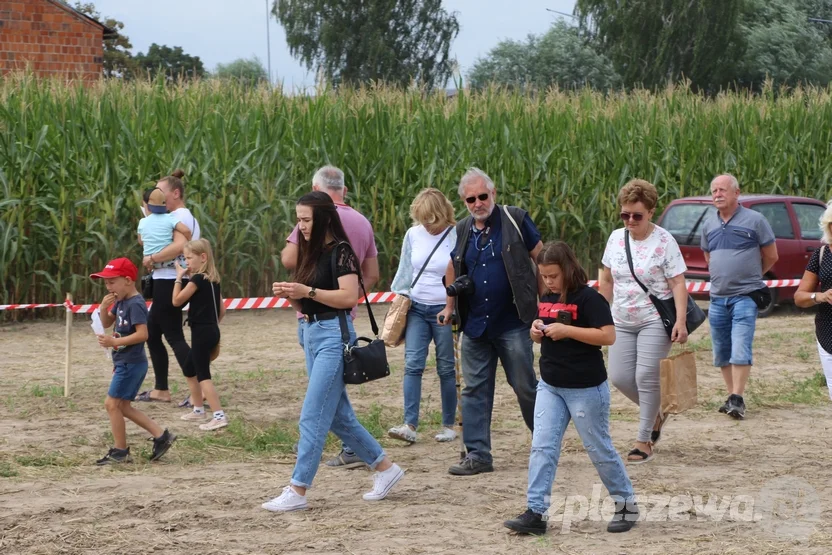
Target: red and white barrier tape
(254, 303)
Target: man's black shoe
(470, 466)
(624, 519)
(527, 523)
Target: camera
(462, 284)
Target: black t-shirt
(567, 362)
(345, 263)
(823, 317)
(203, 309)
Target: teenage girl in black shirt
(574, 321)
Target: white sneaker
(403, 433)
(383, 482)
(214, 424)
(447, 434)
(195, 416)
(289, 500)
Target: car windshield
(684, 221)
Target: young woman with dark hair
(574, 321)
(326, 406)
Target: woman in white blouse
(641, 340)
(427, 248)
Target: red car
(794, 220)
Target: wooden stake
(68, 344)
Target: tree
(395, 41)
(246, 71)
(561, 57)
(653, 43)
(781, 44)
(118, 61)
(173, 63)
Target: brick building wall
(51, 39)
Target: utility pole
(268, 42)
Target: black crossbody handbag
(361, 363)
(667, 307)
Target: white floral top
(655, 259)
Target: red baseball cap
(120, 267)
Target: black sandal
(642, 457)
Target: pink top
(359, 231)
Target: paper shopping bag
(392, 333)
(678, 383)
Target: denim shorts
(127, 379)
(732, 321)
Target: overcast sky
(219, 31)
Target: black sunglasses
(482, 197)
(635, 216)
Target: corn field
(74, 161)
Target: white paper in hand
(98, 329)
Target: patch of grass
(7, 471)
(703, 343)
(803, 353)
(46, 459)
(791, 391)
(38, 390)
(80, 441)
(372, 421)
(245, 436)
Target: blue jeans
(421, 328)
(589, 409)
(479, 368)
(301, 322)
(326, 406)
(732, 321)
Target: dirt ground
(205, 495)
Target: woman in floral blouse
(641, 340)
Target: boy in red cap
(124, 306)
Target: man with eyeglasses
(739, 248)
(492, 279)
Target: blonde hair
(209, 269)
(432, 209)
(825, 221)
(638, 190)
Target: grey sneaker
(470, 466)
(345, 460)
(736, 407)
(115, 456)
(724, 408)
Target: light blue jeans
(326, 406)
(589, 409)
(421, 328)
(732, 321)
(479, 368)
(301, 322)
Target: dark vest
(519, 267)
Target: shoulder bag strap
(425, 265)
(214, 299)
(517, 227)
(630, 260)
(820, 261)
(342, 313)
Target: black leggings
(165, 319)
(204, 337)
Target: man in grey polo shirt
(739, 249)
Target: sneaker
(289, 500)
(529, 522)
(404, 433)
(161, 445)
(447, 434)
(345, 460)
(115, 456)
(736, 407)
(383, 482)
(623, 519)
(470, 466)
(724, 408)
(195, 416)
(214, 424)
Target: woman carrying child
(574, 321)
(205, 314)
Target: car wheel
(768, 309)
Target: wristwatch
(312, 293)
(813, 298)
